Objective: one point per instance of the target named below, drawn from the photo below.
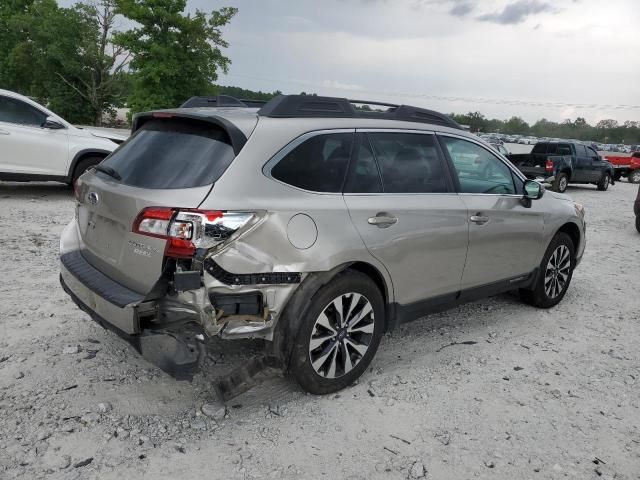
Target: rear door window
(581, 151)
(319, 164)
(166, 154)
(364, 176)
(409, 163)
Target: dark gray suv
(312, 223)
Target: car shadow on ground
(475, 322)
(35, 189)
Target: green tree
(99, 71)
(62, 56)
(174, 56)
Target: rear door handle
(479, 219)
(4, 132)
(382, 220)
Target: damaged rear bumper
(123, 311)
(169, 331)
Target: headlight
(579, 208)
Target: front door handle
(479, 219)
(382, 220)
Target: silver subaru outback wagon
(312, 223)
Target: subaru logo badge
(93, 198)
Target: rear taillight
(549, 165)
(188, 230)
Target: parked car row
(284, 222)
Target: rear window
(540, 148)
(172, 154)
(319, 164)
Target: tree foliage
(62, 56)
(174, 56)
(238, 92)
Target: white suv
(38, 145)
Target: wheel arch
(386, 290)
(81, 155)
(573, 231)
(293, 313)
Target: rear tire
(604, 182)
(82, 166)
(561, 183)
(634, 176)
(336, 340)
(554, 275)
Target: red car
(628, 167)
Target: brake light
(188, 229)
(549, 165)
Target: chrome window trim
(395, 130)
(284, 151)
(406, 194)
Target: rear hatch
(168, 162)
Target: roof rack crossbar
(221, 101)
(312, 106)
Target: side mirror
(533, 190)
(52, 124)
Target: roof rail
(221, 101)
(312, 106)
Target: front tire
(634, 176)
(604, 182)
(554, 275)
(339, 335)
(638, 223)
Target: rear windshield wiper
(108, 170)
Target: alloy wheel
(557, 272)
(563, 184)
(341, 335)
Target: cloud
(340, 86)
(517, 12)
(462, 8)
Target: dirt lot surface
(541, 394)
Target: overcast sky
(450, 55)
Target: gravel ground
(541, 394)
